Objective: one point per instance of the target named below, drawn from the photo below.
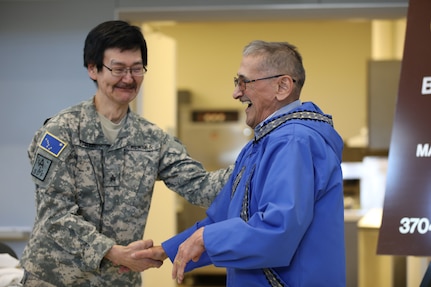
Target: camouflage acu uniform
(91, 195)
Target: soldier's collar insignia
(52, 144)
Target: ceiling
(274, 12)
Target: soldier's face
(119, 80)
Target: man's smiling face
(259, 96)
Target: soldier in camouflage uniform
(94, 167)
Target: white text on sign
(426, 86)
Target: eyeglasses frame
(245, 81)
(125, 70)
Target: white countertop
(353, 215)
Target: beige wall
(161, 222)
(335, 57)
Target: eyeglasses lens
(239, 82)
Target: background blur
(194, 48)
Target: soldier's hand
(122, 256)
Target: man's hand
(122, 256)
(191, 249)
(155, 253)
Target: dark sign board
(215, 116)
(406, 221)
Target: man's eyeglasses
(137, 71)
(241, 81)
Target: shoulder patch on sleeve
(52, 144)
(41, 167)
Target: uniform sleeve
(282, 203)
(59, 215)
(188, 177)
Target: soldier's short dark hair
(113, 34)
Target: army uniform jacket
(91, 195)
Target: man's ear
(285, 88)
(92, 71)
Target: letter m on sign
(423, 150)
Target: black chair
(4, 248)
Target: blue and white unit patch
(52, 144)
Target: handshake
(141, 255)
(137, 256)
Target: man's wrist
(112, 254)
